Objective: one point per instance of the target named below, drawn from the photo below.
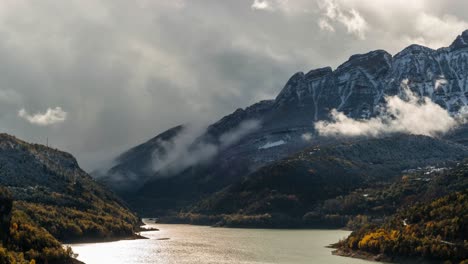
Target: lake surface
(202, 244)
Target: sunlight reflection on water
(201, 244)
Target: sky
(96, 77)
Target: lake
(202, 244)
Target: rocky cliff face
(357, 88)
(359, 85)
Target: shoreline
(135, 236)
(358, 254)
(220, 224)
(105, 240)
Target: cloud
(285, 7)
(325, 25)
(261, 5)
(306, 136)
(462, 115)
(332, 13)
(239, 132)
(186, 150)
(433, 29)
(411, 115)
(354, 23)
(50, 117)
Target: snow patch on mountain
(273, 144)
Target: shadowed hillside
(51, 190)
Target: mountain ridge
(357, 88)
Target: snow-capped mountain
(286, 124)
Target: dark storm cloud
(124, 71)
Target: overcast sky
(99, 76)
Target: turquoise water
(179, 244)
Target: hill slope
(51, 189)
(433, 230)
(23, 241)
(289, 189)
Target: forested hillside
(49, 187)
(436, 230)
(333, 186)
(23, 240)
(46, 199)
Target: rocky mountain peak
(318, 73)
(359, 85)
(376, 56)
(375, 63)
(461, 41)
(291, 88)
(414, 49)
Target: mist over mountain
(418, 91)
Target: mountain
(133, 166)
(51, 191)
(285, 125)
(288, 190)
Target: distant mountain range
(180, 168)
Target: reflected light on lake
(201, 244)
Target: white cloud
(239, 132)
(437, 31)
(352, 20)
(325, 25)
(181, 152)
(307, 136)
(50, 117)
(285, 7)
(261, 5)
(412, 115)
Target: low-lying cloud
(407, 114)
(181, 152)
(306, 136)
(50, 117)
